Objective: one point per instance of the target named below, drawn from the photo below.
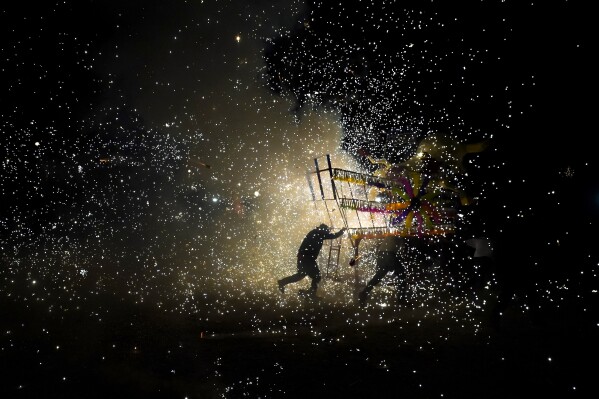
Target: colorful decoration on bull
(439, 157)
(422, 208)
(447, 151)
(413, 203)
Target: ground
(290, 348)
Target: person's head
(324, 227)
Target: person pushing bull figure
(306, 259)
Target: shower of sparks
(213, 204)
(170, 170)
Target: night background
(153, 185)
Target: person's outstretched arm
(337, 234)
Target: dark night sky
(155, 152)
(519, 72)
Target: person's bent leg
(291, 279)
(316, 277)
(384, 262)
(378, 276)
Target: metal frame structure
(371, 207)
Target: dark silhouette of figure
(307, 256)
(388, 259)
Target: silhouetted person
(388, 259)
(307, 256)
